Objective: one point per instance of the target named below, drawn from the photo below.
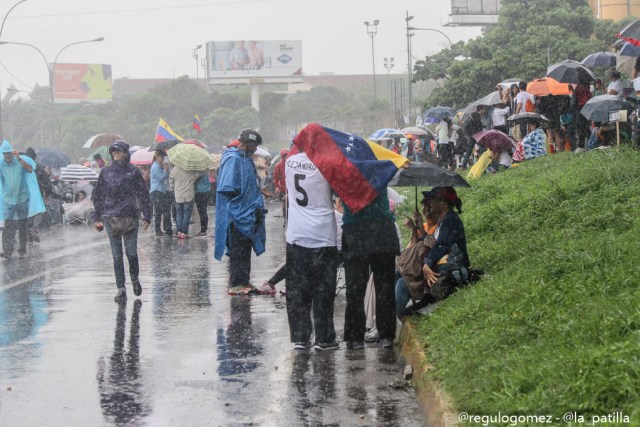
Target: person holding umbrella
(119, 196)
(160, 194)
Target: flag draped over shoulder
(356, 169)
(196, 123)
(165, 133)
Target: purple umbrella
(494, 140)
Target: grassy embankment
(554, 326)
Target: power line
(14, 76)
(105, 12)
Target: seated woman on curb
(449, 233)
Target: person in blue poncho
(240, 212)
(21, 198)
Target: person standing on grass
(240, 212)
(119, 196)
(311, 264)
(20, 198)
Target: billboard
(474, 12)
(74, 83)
(254, 58)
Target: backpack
(529, 106)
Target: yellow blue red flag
(356, 169)
(165, 133)
(196, 123)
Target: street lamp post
(372, 30)
(1, 28)
(50, 70)
(388, 64)
(194, 52)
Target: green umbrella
(190, 157)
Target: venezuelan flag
(196, 123)
(356, 169)
(165, 133)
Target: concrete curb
(435, 403)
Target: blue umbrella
(386, 133)
(600, 60)
(439, 112)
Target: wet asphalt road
(184, 353)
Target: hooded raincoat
(239, 202)
(18, 186)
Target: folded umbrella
(570, 71)
(494, 140)
(597, 108)
(190, 157)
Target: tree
(529, 36)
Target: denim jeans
(162, 211)
(402, 297)
(183, 216)
(130, 248)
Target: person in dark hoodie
(119, 192)
(44, 183)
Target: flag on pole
(196, 123)
(356, 169)
(165, 133)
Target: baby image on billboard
(255, 58)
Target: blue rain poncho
(18, 187)
(238, 202)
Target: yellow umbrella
(190, 157)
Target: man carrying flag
(358, 171)
(196, 123)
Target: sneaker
(242, 290)
(137, 287)
(22, 252)
(181, 235)
(159, 233)
(324, 346)
(121, 295)
(386, 343)
(169, 232)
(355, 345)
(301, 345)
(267, 289)
(372, 336)
(201, 234)
(5, 255)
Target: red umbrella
(494, 140)
(196, 142)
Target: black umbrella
(426, 175)
(631, 31)
(569, 71)
(600, 59)
(52, 157)
(527, 117)
(439, 113)
(597, 108)
(164, 145)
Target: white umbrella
(262, 152)
(75, 173)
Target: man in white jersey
(311, 255)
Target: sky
(155, 38)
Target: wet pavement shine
(182, 354)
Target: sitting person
(449, 241)
(500, 160)
(80, 209)
(533, 144)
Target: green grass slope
(554, 326)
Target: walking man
(240, 212)
(311, 255)
(21, 198)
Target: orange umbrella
(547, 86)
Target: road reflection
(118, 379)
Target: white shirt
(499, 116)
(521, 98)
(311, 222)
(617, 86)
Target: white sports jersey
(311, 222)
